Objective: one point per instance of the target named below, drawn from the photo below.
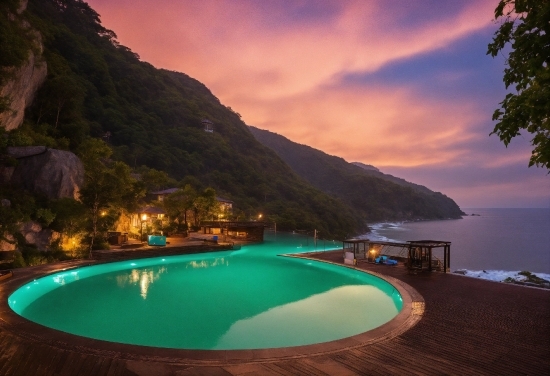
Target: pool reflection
(143, 277)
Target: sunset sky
(403, 85)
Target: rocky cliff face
(20, 91)
(21, 88)
(54, 173)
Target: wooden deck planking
(296, 368)
(469, 327)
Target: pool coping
(409, 316)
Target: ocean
(493, 240)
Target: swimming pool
(246, 299)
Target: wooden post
(314, 239)
(449, 256)
(445, 259)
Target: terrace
(466, 326)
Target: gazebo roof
(428, 243)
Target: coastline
(492, 244)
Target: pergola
(419, 253)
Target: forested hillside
(375, 195)
(152, 117)
(97, 89)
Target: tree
(155, 180)
(70, 218)
(526, 27)
(61, 96)
(108, 185)
(178, 204)
(204, 206)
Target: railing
(224, 224)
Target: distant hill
(376, 196)
(377, 173)
(365, 166)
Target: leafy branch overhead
(526, 28)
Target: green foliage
(18, 208)
(155, 180)
(525, 26)
(70, 216)
(18, 260)
(178, 204)
(108, 188)
(15, 41)
(205, 206)
(32, 256)
(45, 216)
(60, 100)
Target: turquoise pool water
(245, 299)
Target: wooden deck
(469, 327)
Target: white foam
(375, 231)
(501, 275)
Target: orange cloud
(379, 125)
(228, 47)
(281, 75)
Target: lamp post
(143, 219)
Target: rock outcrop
(22, 6)
(7, 245)
(36, 235)
(54, 173)
(21, 91)
(25, 151)
(21, 88)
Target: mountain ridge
(381, 197)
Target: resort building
(153, 219)
(208, 125)
(251, 231)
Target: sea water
(498, 241)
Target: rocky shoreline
(522, 278)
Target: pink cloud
(229, 47)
